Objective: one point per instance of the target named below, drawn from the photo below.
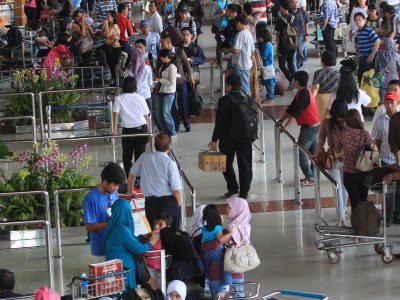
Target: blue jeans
(162, 107)
(245, 77)
(337, 174)
(382, 92)
(270, 87)
(297, 63)
(308, 139)
(218, 286)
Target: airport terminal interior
(283, 215)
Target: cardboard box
(210, 161)
(108, 285)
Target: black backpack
(14, 37)
(244, 120)
(290, 35)
(178, 244)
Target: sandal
(307, 182)
(303, 179)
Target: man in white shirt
(242, 50)
(156, 23)
(152, 39)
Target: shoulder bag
(240, 259)
(368, 159)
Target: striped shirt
(366, 38)
(263, 5)
(328, 79)
(102, 7)
(380, 132)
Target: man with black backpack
(236, 128)
(287, 41)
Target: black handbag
(196, 103)
(142, 270)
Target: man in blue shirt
(368, 44)
(328, 19)
(97, 207)
(160, 182)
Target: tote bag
(368, 158)
(268, 72)
(241, 259)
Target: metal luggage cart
(99, 286)
(243, 291)
(336, 237)
(295, 294)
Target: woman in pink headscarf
(143, 75)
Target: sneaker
(174, 136)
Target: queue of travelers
(157, 76)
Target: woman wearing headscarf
(121, 242)
(197, 221)
(388, 61)
(239, 214)
(143, 75)
(176, 290)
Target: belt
(310, 126)
(156, 197)
(138, 128)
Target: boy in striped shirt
(368, 44)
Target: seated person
(7, 283)
(44, 44)
(121, 242)
(59, 55)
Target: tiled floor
(282, 231)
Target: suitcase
(174, 34)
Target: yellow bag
(368, 87)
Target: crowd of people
(161, 68)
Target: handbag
(325, 159)
(368, 159)
(268, 72)
(241, 259)
(143, 271)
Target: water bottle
(84, 285)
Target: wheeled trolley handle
(295, 293)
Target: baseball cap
(184, 8)
(391, 95)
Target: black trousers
(329, 39)
(244, 159)
(154, 206)
(286, 64)
(363, 66)
(31, 14)
(127, 49)
(112, 56)
(354, 184)
(133, 146)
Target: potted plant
(35, 80)
(46, 169)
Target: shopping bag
(280, 86)
(368, 87)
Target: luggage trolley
(98, 286)
(242, 291)
(334, 235)
(295, 294)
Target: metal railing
(32, 117)
(222, 77)
(296, 173)
(46, 222)
(57, 221)
(191, 188)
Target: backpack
(14, 37)
(244, 121)
(174, 34)
(290, 35)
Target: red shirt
(125, 25)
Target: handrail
(192, 190)
(50, 269)
(296, 147)
(221, 79)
